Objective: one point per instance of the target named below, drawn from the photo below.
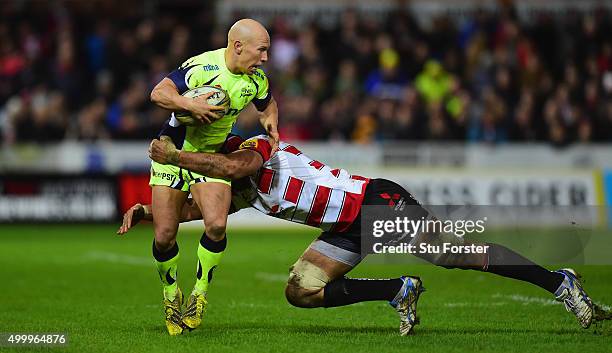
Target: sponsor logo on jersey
(249, 144)
(162, 175)
(209, 67)
(258, 74)
(246, 92)
(392, 198)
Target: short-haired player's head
(248, 42)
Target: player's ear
(238, 47)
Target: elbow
(157, 93)
(234, 170)
(231, 172)
(154, 96)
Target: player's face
(256, 53)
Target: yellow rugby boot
(172, 310)
(196, 306)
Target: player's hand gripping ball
(217, 97)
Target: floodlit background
(510, 102)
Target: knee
(215, 230)
(300, 297)
(165, 238)
(164, 244)
(305, 285)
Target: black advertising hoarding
(58, 198)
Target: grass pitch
(103, 291)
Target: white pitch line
(240, 305)
(271, 277)
(117, 258)
(526, 299)
(603, 306)
(537, 300)
(473, 304)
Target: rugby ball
(219, 98)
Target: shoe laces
(194, 306)
(576, 301)
(173, 310)
(407, 302)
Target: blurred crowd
(83, 70)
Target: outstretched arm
(235, 165)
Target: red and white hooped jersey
(297, 188)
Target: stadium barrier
(98, 182)
(58, 198)
(117, 157)
(103, 198)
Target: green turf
(105, 293)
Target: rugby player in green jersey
(236, 69)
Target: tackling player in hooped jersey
(236, 70)
(294, 187)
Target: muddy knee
(299, 297)
(305, 285)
